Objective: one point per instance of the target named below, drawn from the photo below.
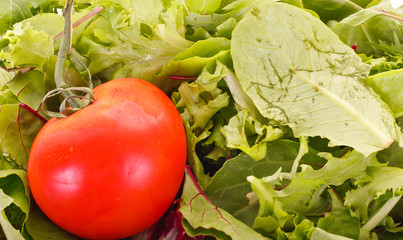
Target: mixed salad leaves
(293, 109)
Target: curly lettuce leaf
(212, 23)
(133, 39)
(310, 82)
(304, 194)
(377, 181)
(338, 170)
(197, 103)
(27, 47)
(249, 135)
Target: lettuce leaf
(18, 125)
(249, 135)
(202, 217)
(14, 203)
(27, 47)
(372, 186)
(377, 23)
(230, 181)
(335, 9)
(390, 88)
(197, 103)
(310, 82)
(13, 12)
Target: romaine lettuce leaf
(310, 82)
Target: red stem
(391, 15)
(337, 195)
(95, 11)
(23, 105)
(189, 171)
(182, 77)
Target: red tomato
(112, 169)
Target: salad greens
(292, 109)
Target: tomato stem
(65, 48)
(74, 101)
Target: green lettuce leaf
(15, 203)
(40, 227)
(335, 9)
(211, 22)
(202, 7)
(338, 170)
(249, 135)
(202, 217)
(310, 82)
(367, 26)
(130, 39)
(377, 181)
(305, 193)
(390, 88)
(18, 128)
(13, 12)
(29, 88)
(191, 62)
(319, 234)
(19, 118)
(27, 47)
(340, 222)
(197, 103)
(230, 181)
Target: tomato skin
(112, 169)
